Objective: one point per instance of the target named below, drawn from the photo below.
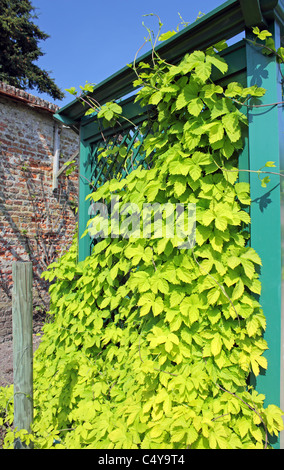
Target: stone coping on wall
(31, 100)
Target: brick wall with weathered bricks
(36, 223)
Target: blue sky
(91, 39)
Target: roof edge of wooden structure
(224, 22)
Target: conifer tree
(19, 49)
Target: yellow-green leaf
(216, 345)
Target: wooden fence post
(22, 314)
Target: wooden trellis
(264, 141)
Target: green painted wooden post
(22, 317)
(282, 271)
(264, 145)
(84, 190)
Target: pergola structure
(264, 142)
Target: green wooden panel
(282, 267)
(264, 135)
(96, 168)
(252, 13)
(84, 190)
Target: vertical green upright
(84, 190)
(22, 314)
(264, 145)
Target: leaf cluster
(151, 345)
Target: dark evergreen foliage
(19, 49)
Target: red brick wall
(36, 223)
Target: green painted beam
(264, 137)
(273, 10)
(252, 13)
(84, 190)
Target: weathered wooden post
(22, 347)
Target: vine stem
(257, 105)
(135, 58)
(218, 284)
(263, 46)
(155, 368)
(250, 407)
(221, 416)
(90, 182)
(248, 171)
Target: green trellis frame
(264, 142)
(96, 170)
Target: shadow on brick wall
(37, 225)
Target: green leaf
(243, 426)
(203, 233)
(238, 290)
(216, 132)
(189, 308)
(184, 275)
(117, 435)
(216, 345)
(210, 90)
(180, 186)
(227, 148)
(176, 298)
(157, 306)
(251, 255)
(152, 190)
(262, 35)
(167, 35)
(233, 90)
(192, 435)
(273, 418)
(270, 164)
(213, 295)
(232, 127)
(155, 432)
(145, 301)
(140, 280)
(195, 171)
(243, 192)
(191, 61)
(179, 435)
(252, 326)
(218, 62)
(116, 108)
(72, 90)
(265, 181)
(195, 106)
(156, 97)
(221, 107)
(189, 93)
(203, 71)
(248, 267)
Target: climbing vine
(152, 345)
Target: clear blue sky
(91, 39)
